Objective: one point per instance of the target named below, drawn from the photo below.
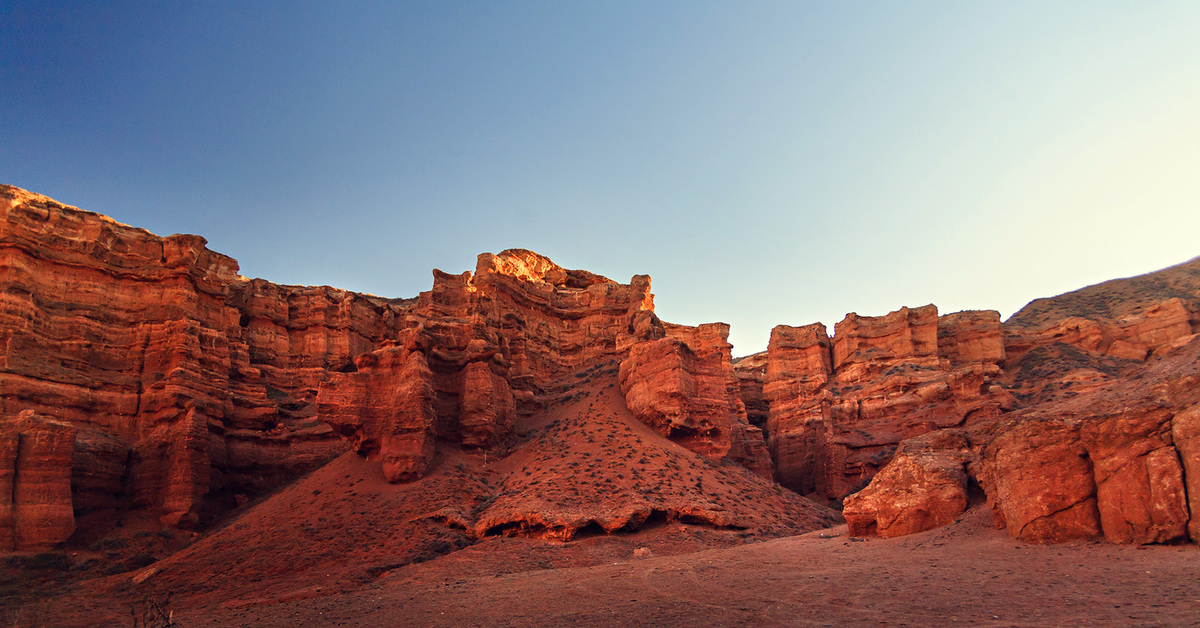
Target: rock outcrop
(188, 388)
(924, 486)
(1103, 438)
(1185, 435)
(1116, 300)
(1102, 463)
(161, 350)
(35, 482)
(840, 407)
(751, 373)
(683, 385)
(386, 407)
(143, 372)
(1111, 463)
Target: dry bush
(150, 611)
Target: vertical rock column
(35, 483)
(387, 407)
(799, 363)
(1185, 431)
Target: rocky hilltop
(143, 376)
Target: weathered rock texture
(35, 482)
(195, 382)
(1117, 299)
(751, 373)
(1067, 345)
(840, 407)
(923, 487)
(386, 406)
(1103, 445)
(1101, 463)
(142, 372)
(185, 388)
(683, 385)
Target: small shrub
(152, 612)
(48, 560)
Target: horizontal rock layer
(1104, 445)
(839, 407)
(188, 388)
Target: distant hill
(1114, 299)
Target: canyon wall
(839, 407)
(1101, 442)
(142, 371)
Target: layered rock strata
(839, 407)
(190, 388)
(1115, 461)
(684, 386)
(35, 482)
(158, 349)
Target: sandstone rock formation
(1039, 480)
(1094, 454)
(386, 406)
(1102, 463)
(1117, 299)
(684, 386)
(1072, 343)
(838, 409)
(189, 388)
(157, 346)
(1185, 434)
(35, 482)
(751, 373)
(142, 372)
(924, 486)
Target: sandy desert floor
(964, 574)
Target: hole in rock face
(680, 431)
(590, 530)
(368, 448)
(508, 528)
(366, 361)
(657, 516)
(975, 493)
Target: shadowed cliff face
(191, 389)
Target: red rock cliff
(1104, 445)
(188, 388)
(838, 409)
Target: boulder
(923, 487)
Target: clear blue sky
(765, 163)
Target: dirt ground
(965, 574)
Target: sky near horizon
(764, 162)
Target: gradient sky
(765, 163)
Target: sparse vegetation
(152, 611)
